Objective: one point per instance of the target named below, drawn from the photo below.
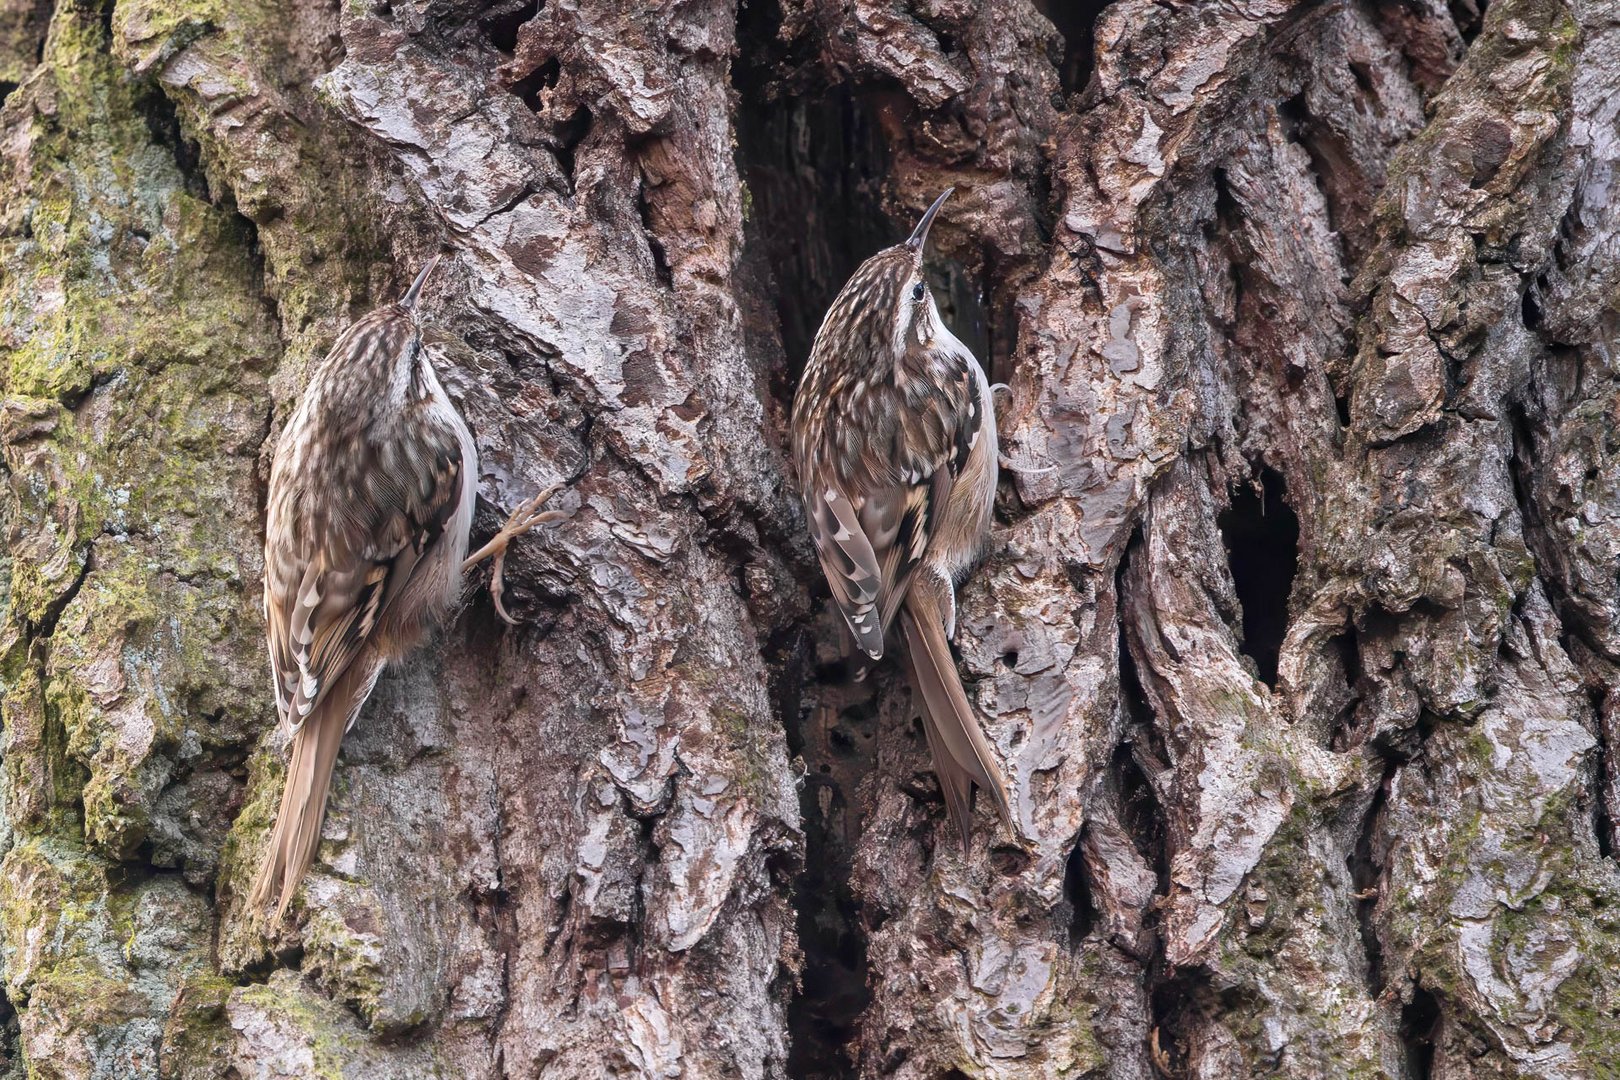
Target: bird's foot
(527, 516)
(997, 392)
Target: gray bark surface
(1299, 633)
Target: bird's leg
(525, 517)
(1000, 394)
(935, 594)
(997, 391)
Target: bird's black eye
(917, 292)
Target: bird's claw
(997, 391)
(1024, 469)
(1000, 395)
(526, 516)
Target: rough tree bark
(1303, 656)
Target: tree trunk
(1299, 634)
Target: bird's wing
(847, 559)
(872, 517)
(338, 554)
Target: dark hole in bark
(1363, 76)
(1602, 820)
(1469, 15)
(789, 654)
(5, 90)
(1139, 809)
(654, 245)
(1420, 1023)
(1141, 814)
(1295, 117)
(568, 135)
(1175, 1004)
(815, 179)
(832, 992)
(814, 158)
(1227, 210)
(257, 971)
(959, 295)
(1077, 890)
(10, 1036)
(1522, 475)
(842, 742)
(1076, 21)
(1261, 533)
(1347, 646)
(1366, 877)
(503, 19)
(163, 124)
(1530, 310)
(1607, 768)
(542, 78)
(647, 826)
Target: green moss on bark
(134, 352)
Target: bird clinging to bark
(894, 437)
(370, 508)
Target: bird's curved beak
(414, 293)
(919, 235)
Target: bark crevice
(1261, 533)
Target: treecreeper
(369, 515)
(894, 439)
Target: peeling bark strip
(1303, 661)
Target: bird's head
(408, 345)
(887, 302)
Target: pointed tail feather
(296, 835)
(962, 755)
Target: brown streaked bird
(894, 437)
(371, 503)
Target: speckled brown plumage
(894, 438)
(370, 506)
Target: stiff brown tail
(297, 832)
(962, 755)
